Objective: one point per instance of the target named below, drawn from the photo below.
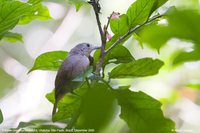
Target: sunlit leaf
(49, 61)
(77, 3)
(138, 68)
(142, 113)
(38, 11)
(119, 26)
(140, 11)
(11, 12)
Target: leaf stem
(109, 18)
(130, 32)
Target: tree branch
(129, 33)
(96, 7)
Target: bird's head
(83, 49)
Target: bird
(77, 62)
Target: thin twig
(96, 7)
(109, 18)
(129, 33)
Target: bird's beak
(96, 47)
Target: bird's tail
(54, 107)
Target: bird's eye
(88, 45)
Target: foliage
(94, 106)
(114, 56)
(100, 100)
(49, 61)
(141, 10)
(13, 12)
(142, 112)
(181, 24)
(138, 68)
(77, 3)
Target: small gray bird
(74, 65)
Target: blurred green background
(23, 95)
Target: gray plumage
(74, 65)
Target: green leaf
(49, 61)
(1, 117)
(69, 104)
(141, 10)
(114, 56)
(151, 35)
(38, 11)
(186, 57)
(86, 109)
(12, 37)
(138, 38)
(142, 113)
(182, 24)
(138, 68)
(119, 54)
(77, 3)
(11, 12)
(98, 108)
(119, 26)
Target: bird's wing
(72, 67)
